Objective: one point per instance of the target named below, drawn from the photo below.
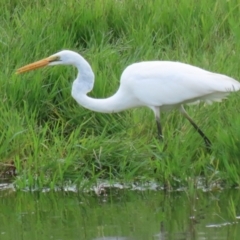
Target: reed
(51, 140)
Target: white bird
(159, 85)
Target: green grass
(51, 140)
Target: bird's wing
(170, 83)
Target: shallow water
(119, 215)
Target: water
(119, 215)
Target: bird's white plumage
(163, 84)
(169, 84)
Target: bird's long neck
(83, 84)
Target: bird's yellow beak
(41, 63)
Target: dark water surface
(120, 215)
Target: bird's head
(64, 57)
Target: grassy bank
(50, 139)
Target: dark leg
(159, 127)
(206, 140)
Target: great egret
(159, 85)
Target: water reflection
(119, 215)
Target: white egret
(159, 85)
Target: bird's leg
(159, 127)
(206, 140)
